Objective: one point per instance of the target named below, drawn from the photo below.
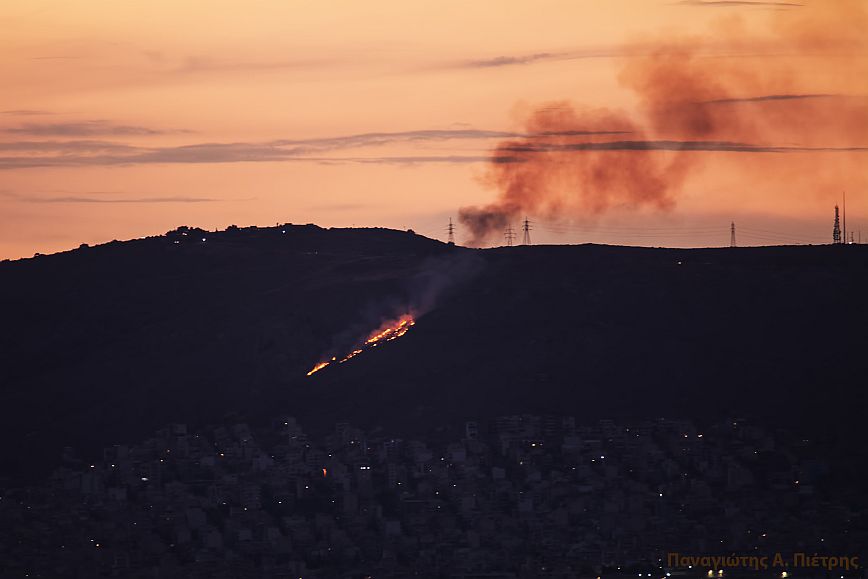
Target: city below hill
(103, 345)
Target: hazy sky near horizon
(127, 119)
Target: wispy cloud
(539, 57)
(77, 147)
(25, 113)
(377, 139)
(102, 197)
(76, 199)
(710, 49)
(409, 160)
(512, 60)
(32, 154)
(772, 98)
(700, 146)
(383, 138)
(723, 3)
(84, 129)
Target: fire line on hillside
(390, 330)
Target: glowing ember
(391, 330)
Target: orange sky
(120, 120)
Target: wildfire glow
(318, 367)
(391, 330)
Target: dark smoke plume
(695, 106)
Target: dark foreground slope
(106, 344)
(771, 333)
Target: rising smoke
(799, 85)
(433, 280)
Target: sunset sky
(127, 119)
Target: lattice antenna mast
(451, 230)
(836, 230)
(525, 227)
(732, 234)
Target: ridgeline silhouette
(103, 345)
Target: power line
(765, 235)
(690, 231)
(773, 241)
(782, 236)
(611, 228)
(781, 233)
(715, 233)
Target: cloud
(373, 139)
(667, 145)
(33, 154)
(538, 57)
(68, 147)
(76, 199)
(97, 197)
(771, 98)
(723, 3)
(620, 51)
(416, 159)
(511, 60)
(376, 139)
(84, 129)
(25, 113)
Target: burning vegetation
(388, 331)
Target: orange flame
(318, 367)
(391, 330)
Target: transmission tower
(732, 234)
(836, 230)
(451, 229)
(509, 235)
(525, 227)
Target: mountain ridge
(106, 344)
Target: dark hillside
(103, 344)
(776, 333)
(106, 344)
